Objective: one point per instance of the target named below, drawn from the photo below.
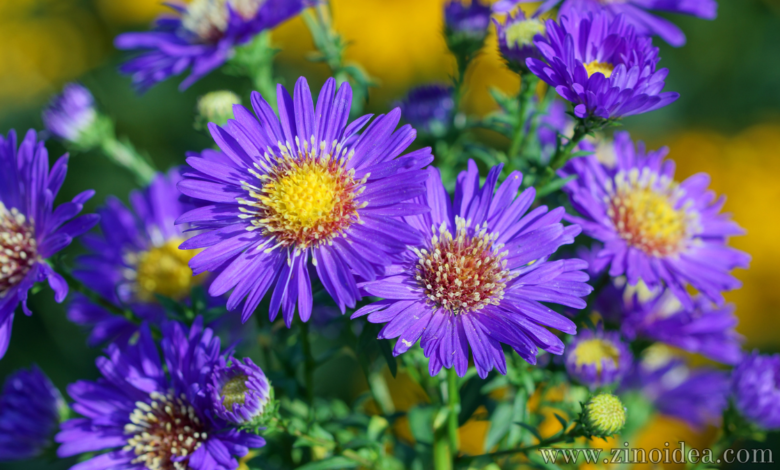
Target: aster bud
(429, 109)
(466, 26)
(597, 358)
(71, 116)
(216, 107)
(240, 392)
(516, 39)
(603, 415)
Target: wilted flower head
(30, 408)
(601, 66)
(201, 37)
(429, 108)
(603, 415)
(71, 113)
(597, 358)
(654, 229)
(755, 384)
(154, 417)
(31, 229)
(516, 39)
(637, 15)
(474, 275)
(239, 391)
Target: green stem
(262, 72)
(308, 364)
(124, 155)
(527, 88)
(564, 153)
(453, 403)
(558, 438)
(442, 451)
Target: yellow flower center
(164, 270)
(594, 351)
(599, 67)
(643, 210)
(522, 33)
(464, 273)
(305, 199)
(234, 392)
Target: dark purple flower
(755, 384)
(654, 229)
(597, 358)
(696, 396)
(637, 15)
(476, 276)
(429, 108)
(30, 409)
(147, 414)
(516, 39)
(135, 258)
(70, 113)
(31, 229)
(239, 391)
(201, 37)
(704, 329)
(601, 66)
(299, 185)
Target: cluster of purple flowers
(304, 197)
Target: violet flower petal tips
(135, 258)
(30, 409)
(756, 390)
(201, 37)
(635, 11)
(304, 185)
(601, 66)
(31, 228)
(477, 276)
(654, 229)
(598, 358)
(145, 412)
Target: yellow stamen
(599, 67)
(234, 392)
(164, 270)
(522, 33)
(594, 351)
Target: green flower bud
(216, 107)
(603, 415)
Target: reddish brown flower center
(208, 19)
(305, 197)
(464, 273)
(166, 428)
(18, 248)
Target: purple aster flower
(755, 384)
(516, 39)
(31, 229)
(239, 391)
(653, 228)
(477, 276)
(153, 415)
(696, 396)
(70, 113)
(597, 358)
(704, 329)
(135, 258)
(202, 36)
(30, 408)
(601, 66)
(298, 187)
(468, 17)
(429, 108)
(637, 15)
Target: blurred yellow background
(726, 124)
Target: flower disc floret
(240, 391)
(597, 358)
(18, 248)
(464, 273)
(164, 270)
(208, 19)
(304, 200)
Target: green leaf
(470, 399)
(530, 429)
(563, 422)
(387, 352)
(421, 423)
(553, 186)
(500, 422)
(331, 463)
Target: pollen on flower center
(522, 33)
(464, 273)
(304, 197)
(599, 67)
(645, 214)
(234, 391)
(164, 270)
(18, 248)
(166, 428)
(208, 19)
(594, 351)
